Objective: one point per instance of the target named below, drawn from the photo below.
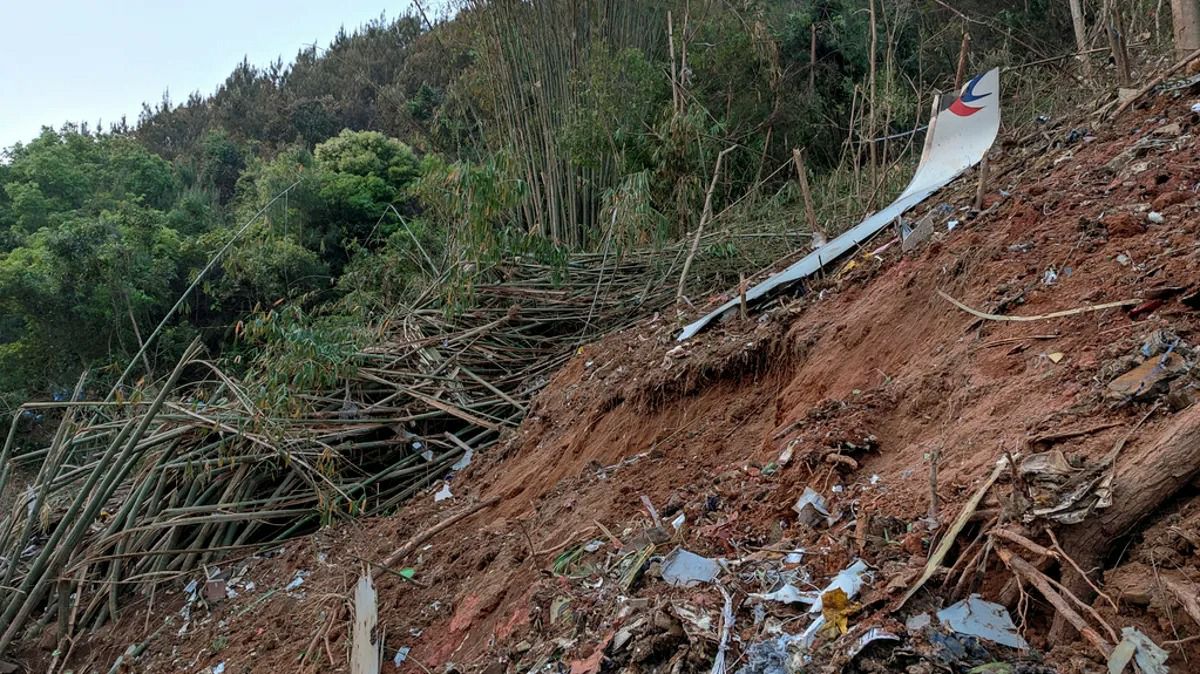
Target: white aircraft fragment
(958, 138)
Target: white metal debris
(958, 138)
(978, 618)
(685, 569)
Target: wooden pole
(961, 75)
(981, 189)
(1185, 20)
(1080, 35)
(810, 213)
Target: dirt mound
(870, 389)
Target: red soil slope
(871, 357)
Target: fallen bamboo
(939, 554)
(1057, 314)
(418, 540)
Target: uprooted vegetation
(787, 447)
(531, 467)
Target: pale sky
(84, 60)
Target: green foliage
(405, 159)
(74, 291)
(294, 350)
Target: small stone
(1155, 217)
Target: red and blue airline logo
(961, 105)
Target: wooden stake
(1080, 35)
(961, 75)
(705, 215)
(982, 188)
(742, 297)
(810, 213)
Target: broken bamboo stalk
(1179, 65)
(939, 554)
(1057, 314)
(418, 540)
(705, 215)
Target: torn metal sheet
(958, 138)
(978, 618)
(812, 509)
(685, 569)
(870, 636)
(1150, 658)
(849, 580)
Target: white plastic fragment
(443, 493)
(401, 655)
(1196, 108)
(794, 557)
(849, 580)
(464, 460)
(788, 594)
(811, 508)
(218, 668)
(679, 521)
(1141, 649)
(1155, 217)
(685, 569)
(297, 580)
(978, 618)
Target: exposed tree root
(1145, 479)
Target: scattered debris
(443, 493)
(812, 509)
(685, 569)
(297, 580)
(978, 618)
(364, 650)
(1142, 650)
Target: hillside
(852, 390)
(391, 333)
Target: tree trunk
(1080, 35)
(1185, 17)
(1144, 480)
